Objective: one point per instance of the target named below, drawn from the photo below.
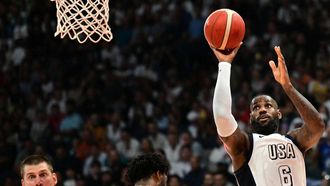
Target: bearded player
(265, 157)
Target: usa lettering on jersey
(281, 151)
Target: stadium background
(154, 82)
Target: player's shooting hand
(225, 55)
(280, 71)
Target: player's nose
(262, 110)
(38, 181)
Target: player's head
(37, 170)
(150, 166)
(264, 115)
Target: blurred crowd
(92, 107)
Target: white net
(83, 20)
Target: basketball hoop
(83, 20)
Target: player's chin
(265, 127)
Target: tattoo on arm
(313, 127)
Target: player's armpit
(237, 145)
(306, 138)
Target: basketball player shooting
(265, 157)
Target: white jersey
(273, 160)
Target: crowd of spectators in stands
(92, 107)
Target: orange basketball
(224, 29)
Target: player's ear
(279, 114)
(250, 118)
(54, 178)
(157, 177)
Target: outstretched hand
(226, 56)
(280, 71)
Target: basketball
(224, 29)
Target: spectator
(70, 177)
(94, 124)
(106, 179)
(96, 156)
(58, 97)
(128, 146)
(72, 120)
(116, 164)
(94, 176)
(40, 128)
(187, 139)
(172, 147)
(221, 179)
(82, 144)
(158, 139)
(54, 118)
(195, 176)
(208, 179)
(174, 180)
(114, 127)
(146, 146)
(182, 166)
(324, 152)
(218, 155)
(63, 160)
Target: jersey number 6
(285, 175)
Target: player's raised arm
(236, 141)
(310, 133)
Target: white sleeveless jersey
(274, 160)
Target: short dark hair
(35, 160)
(144, 165)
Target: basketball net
(83, 20)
